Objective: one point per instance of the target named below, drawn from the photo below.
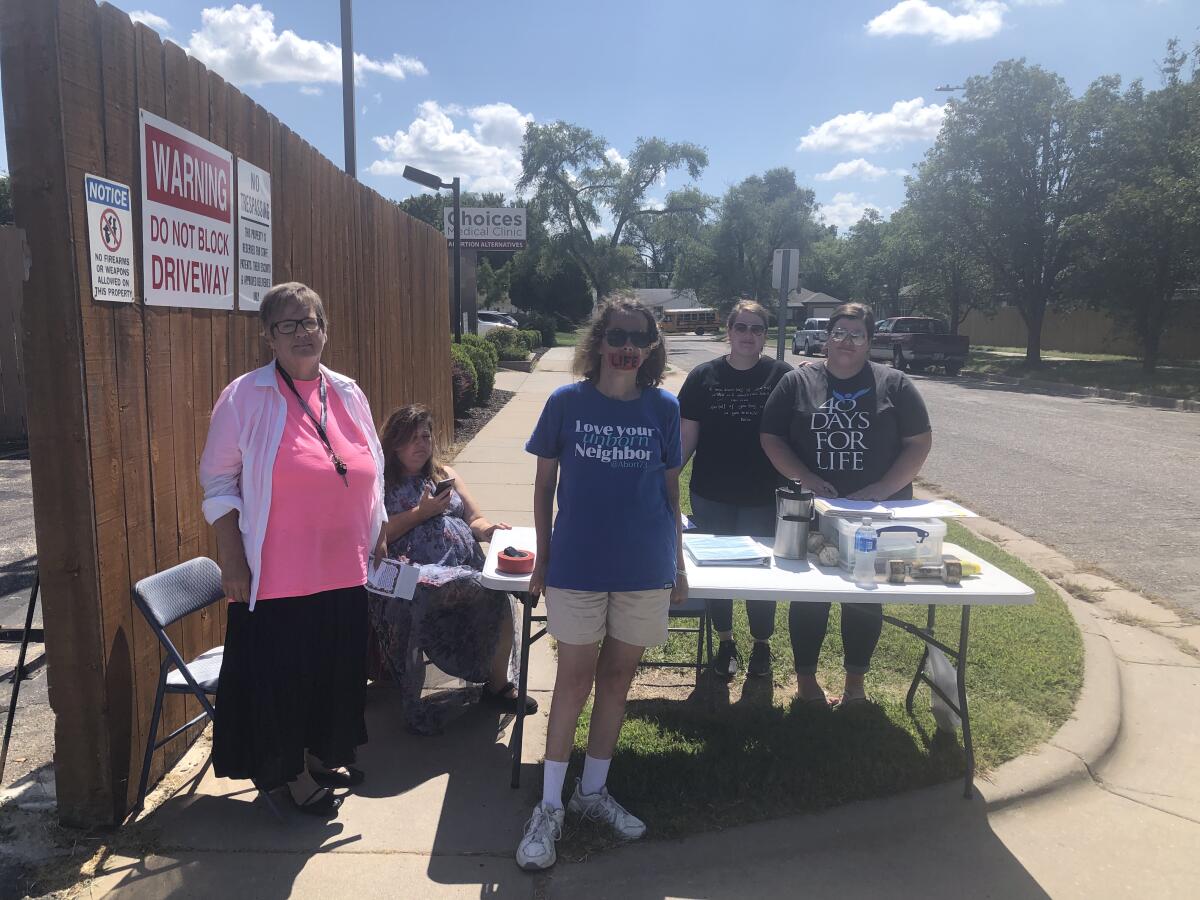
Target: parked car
(913, 342)
(489, 319)
(811, 338)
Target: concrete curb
(1075, 390)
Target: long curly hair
(587, 354)
(400, 428)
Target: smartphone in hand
(442, 486)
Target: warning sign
(110, 238)
(187, 217)
(254, 235)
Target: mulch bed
(468, 426)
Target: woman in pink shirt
(293, 485)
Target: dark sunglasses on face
(743, 327)
(616, 337)
(289, 326)
(856, 338)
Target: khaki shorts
(585, 617)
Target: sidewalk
(1109, 807)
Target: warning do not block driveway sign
(187, 217)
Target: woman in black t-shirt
(733, 482)
(848, 428)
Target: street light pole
(351, 163)
(457, 261)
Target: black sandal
(505, 703)
(326, 806)
(352, 777)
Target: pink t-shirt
(319, 530)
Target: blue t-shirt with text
(615, 529)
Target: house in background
(805, 304)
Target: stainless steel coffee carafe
(793, 512)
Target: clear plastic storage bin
(912, 540)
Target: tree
(579, 187)
(732, 257)
(1007, 163)
(1142, 241)
(663, 242)
(6, 207)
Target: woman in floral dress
(465, 629)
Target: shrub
(533, 338)
(463, 379)
(485, 358)
(510, 344)
(544, 323)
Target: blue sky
(842, 91)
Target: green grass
(566, 338)
(691, 761)
(1174, 378)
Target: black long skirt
(293, 677)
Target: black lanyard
(338, 465)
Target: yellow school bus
(699, 320)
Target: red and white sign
(187, 217)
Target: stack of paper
(719, 550)
(892, 509)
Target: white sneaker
(602, 807)
(536, 850)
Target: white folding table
(797, 581)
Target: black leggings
(861, 625)
(715, 517)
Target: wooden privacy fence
(120, 394)
(1083, 331)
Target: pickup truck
(916, 343)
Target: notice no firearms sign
(110, 238)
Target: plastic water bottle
(865, 541)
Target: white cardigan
(238, 462)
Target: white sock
(595, 773)
(553, 775)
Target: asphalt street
(1108, 484)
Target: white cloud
(1039, 2)
(859, 132)
(613, 155)
(377, 97)
(845, 209)
(487, 154)
(150, 20)
(311, 91)
(241, 43)
(854, 168)
(979, 19)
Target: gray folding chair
(164, 599)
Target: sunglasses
(616, 337)
(743, 327)
(856, 338)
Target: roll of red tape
(511, 561)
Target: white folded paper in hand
(392, 578)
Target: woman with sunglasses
(292, 474)
(845, 428)
(613, 561)
(733, 483)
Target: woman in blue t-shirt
(613, 561)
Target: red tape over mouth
(624, 361)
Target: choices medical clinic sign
(187, 217)
(488, 229)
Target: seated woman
(465, 629)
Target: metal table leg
(912, 688)
(964, 634)
(527, 604)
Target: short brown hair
(400, 428)
(587, 354)
(286, 292)
(747, 306)
(854, 311)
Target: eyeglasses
(616, 337)
(857, 338)
(289, 326)
(743, 327)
